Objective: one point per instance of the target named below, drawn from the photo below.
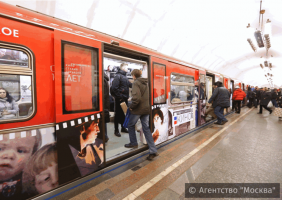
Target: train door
(160, 127)
(79, 106)
(210, 79)
(118, 63)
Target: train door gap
(114, 59)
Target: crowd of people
(262, 97)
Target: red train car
(52, 78)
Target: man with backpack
(120, 91)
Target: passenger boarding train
(52, 129)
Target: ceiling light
(261, 66)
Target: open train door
(79, 106)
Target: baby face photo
(28, 163)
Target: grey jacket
(12, 107)
(140, 97)
(220, 97)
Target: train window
(16, 83)
(12, 57)
(159, 84)
(181, 88)
(80, 78)
(15, 96)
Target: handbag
(126, 120)
(270, 105)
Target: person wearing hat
(238, 96)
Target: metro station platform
(247, 149)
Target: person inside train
(238, 97)
(210, 110)
(265, 99)
(140, 109)
(120, 91)
(220, 100)
(8, 107)
(172, 94)
(14, 154)
(189, 95)
(41, 171)
(106, 104)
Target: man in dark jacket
(257, 96)
(120, 91)
(265, 98)
(274, 97)
(106, 103)
(251, 96)
(221, 99)
(140, 108)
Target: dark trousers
(257, 102)
(119, 114)
(265, 107)
(237, 104)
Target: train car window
(181, 88)
(12, 57)
(80, 78)
(16, 83)
(159, 83)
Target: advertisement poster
(80, 147)
(28, 163)
(181, 120)
(159, 84)
(78, 77)
(160, 123)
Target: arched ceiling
(207, 33)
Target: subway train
(52, 126)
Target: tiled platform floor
(248, 151)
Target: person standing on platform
(265, 99)
(257, 96)
(220, 100)
(251, 97)
(140, 109)
(274, 98)
(120, 91)
(238, 96)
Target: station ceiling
(208, 33)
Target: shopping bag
(123, 107)
(277, 112)
(127, 116)
(270, 105)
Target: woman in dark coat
(265, 99)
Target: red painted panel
(157, 61)
(78, 79)
(40, 42)
(62, 36)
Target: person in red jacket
(238, 96)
